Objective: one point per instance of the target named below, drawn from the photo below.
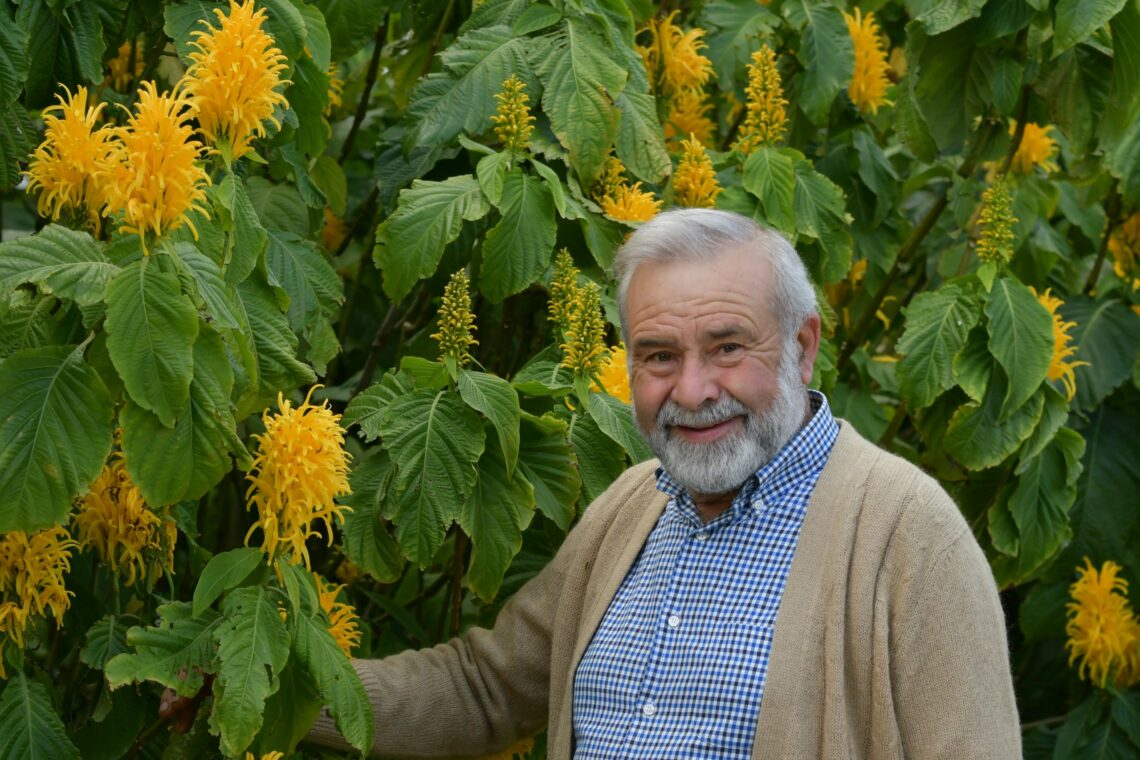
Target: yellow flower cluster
(512, 117)
(233, 81)
(1124, 245)
(1037, 148)
(694, 183)
(32, 567)
(1103, 631)
(121, 72)
(678, 72)
(619, 199)
(336, 90)
(114, 520)
(456, 322)
(613, 377)
(584, 351)
(688, 116)
(300, 468)
(563, 286)
(869, 82)
(1060, 366)
(766, 119)
(997, 220)
(343, 622)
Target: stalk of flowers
(688, 117)
(127, 66)
(336, 91)
(300, 468)
(1037, 148)
(343, 621)
(584, 350)
(512, 118)
(66, 166)
(619, 199)
(233, 81)
(613, 376)
(1124, 245)
(869, 81)
(996, 242)
(456, 333)
(694, 183)
(673, 56)
(766, 119)
(32, 567)
(563, 286)
(1103, 631)
(1060, 366)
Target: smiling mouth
(705, 433)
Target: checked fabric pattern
(677, 667)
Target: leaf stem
(366, 93)
(1114, 208)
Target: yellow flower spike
(456, 322)
(300, 468)
(1060, 368)
(32, 567)
(343, 621)
(869, 82)
(584, 352)
(688, 117)
(267, 756)
(336, 90)
(120, 71)
(116, 523)
(155, 179)
(1102, 629)
(997, 220)
(1037, 148)
(512, 117)
(234, 78)
(613, 377)
(673, 57)
(631, 204)
(563, 287)
(65, 168)
(1124, 245)
(694, 183)
(766, 119)
(611, 178)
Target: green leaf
(249, 236)
(115, 725)
(223, 572)
(29, 725)
(322, 659)
(827, 56)
(492, 173)
(979, 437)
(909, 121)
(216, 297)
(498, 401)
(366, 542)
(534, 18)
(941, 86)
(329, 178)
(500, 507)
(1076, 20)
(64, 46)
(615, 419)
(1021, 339)
(290, 712)
(13, 60)
(1124, 164)
(999, 78)
(821, 214)
(1126, 714)
(742, 26)
(55, 434)
(151, 328)
(876, 172)
(518, 249)
(308, 97)
(547, 462)
(426, 373)
(105, 639)
(939, 16)
(170, 464)
(600, 459)
(176, 653)
(286, 25)
(15, 142)
(410, 242)
(370, 405)
(640, 141)
(253, 647)
(581, 80)
(278, 366)
(278, 205)
(67, 263)
(318, 43)
(435, 440)
(298, 267)
(351, 24)
(1123, 105)
(937, 324)
(180, 20)
(770, 176)
(1054, 413)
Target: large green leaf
(170, 464)
(249, 236)
(308, 97)
(13, 60)
(1107, 336)
(1124, 164)
(1021, 339)
(151, 328)
(770, 176)
(736, 28)
(640, 142)
(937, 323)
(215, 297)
(366, 542)
(64, 46)
(978, 435)
(29, 725)
(1123, 105)
(351, 24)
(940, 90)
(253, 646)
(410, 242)
(15, 142)
(581, 79)
(290, 712)
(820, 213)
(435, 440)
(298, 267)
(1076, 20)
(276, 345)
(600, 459)
(498, 401)
(67, 263)
(615, 419)
(939, 16)
(909, 119)
(176, 653)
(223, 572)
(55, 434)
(105, 639)
(547, 462)
(500, 507)
(827, 56)
(518, 249)
(278, 205)
(370, 405)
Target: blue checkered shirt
(677, 667)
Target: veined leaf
(278, 206)
(64, 44)
(410, 242)
(435, 440)
(979, 437)
(275, 343)
(351, 24)
(518, 249)
(615, 419)
(176, 653)
(67, 263)
(769, 175)
(290, 712)
(974, 365)
(366, 542)
(640, 143)
(1107, 336)
(370, 405)
(297, 266)
(15, 142)
(827, 56)
(13, 61)
(308, 98)
(1123, 105)
(223, 572)
(1021, 339)
(29, 725)
(939, 16)
(216, 296)
(55, 434)
(249, 236)
(498, 401)
(105, 639)
(600, 459)
(937, 324)
(1054, 413)
(1076, 20)
(820, 213)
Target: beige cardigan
(890, 641)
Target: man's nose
(696, 385)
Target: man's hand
(182, 711)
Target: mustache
(726, 407)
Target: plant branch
(893, 426)
(438, 38)
(366, 93)
(1114, 208)
(1027, 727)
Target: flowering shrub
(308, 341)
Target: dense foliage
(299, 291)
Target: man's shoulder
(637, 483)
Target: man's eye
(660, 357)
(729, 348)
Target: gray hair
(702, 234)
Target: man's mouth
(704, 433)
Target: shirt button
(673, 621)
(703, 536)
(649, 709)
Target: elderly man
(773, 587)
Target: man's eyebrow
(730, 330)
(650, 343)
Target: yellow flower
(156, 180)
(611, 178)
(114, 520)
(233, 80)
(342, 617)
(688, 116)
(585, 349)
(1124, 245)
(897, 64)
(1060, 368)
(868, 88)
(120, 71)
(694, 182)
(300, 468)
(65, 167)
(673, 56)
(1102, 628)
(336, 90)
(563, 286)
(267, 756)
(1037, 148)
(766, 119)
(997, 220)
(631, 204)
(512, 117)
(333, 232)
(613, 378)
(349, 572)
(31, 581)
(456, 322)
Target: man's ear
(808, 338)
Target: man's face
(715, 390)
